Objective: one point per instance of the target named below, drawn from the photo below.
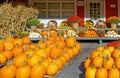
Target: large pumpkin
(3, 58)
(26, 40)
(42, 52)
(17, 51)
(70, 41)
(8, 71)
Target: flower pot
(40, 27)
(81, 35)
(114, 25)
(101, 35)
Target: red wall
(80, 13)
(111, 11)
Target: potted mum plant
(40, 25)
(101, 33)
(33, 23)
(113, 20)
(74, 21)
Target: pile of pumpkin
(24, 59)
(104, 62)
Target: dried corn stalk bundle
(14, 19)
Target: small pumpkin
(87, 63)
(42, 52)
(3, 58)
(55, 52)
(8, 71)
(100, 48)
(117, 62)
(23, 72)
(8, 45)
(17, 51)
(70, 41)
(8, 54)
(19, 60)
(18, 42)
(116, 53)
(2, 47)
(75, 50)
(26, 40)
(38, 71)
(101, 73)
(113, 73)
(52, 69)
(95, 53)
(90, 72)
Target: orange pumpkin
(19, 60)
(52, 69)
(2, 47)
(26, 40)
(59, 62)
(33, 46)
(63, 58)
(18, 42)
(38, 71)
(41, 44)
(23, 72)
(17, 51)
(67, 56)
(29, 52)
(46, 62)
(3, 58)
(55, 52)
(87, 63)
(97, 61)
(34, 59)
(26, 47)
(108, 62)
(8, 54)
(75, 50)
(78, 45)
(111, 49)
(113, 73)
(53, 32)
(116, 53)
(117, 63)
(44, 33)
(61, 44)
(100, 48)
(8, 71)
(42, 52)
(8, 45)
(9, 38)
(90, 72)
(69, 51)
(70, 41)
(101, 73)
(95, 53)
(106, 52)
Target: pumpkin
(59, 62)
(61, 44)
(23, 72)
(113, 73)
(34, 59)
(46, 62)
(100, 48)
(8, 45)
(95, 53)
(97, 61)
(59, 38)
(8, 54)
(87, 63)
(51, 39)
(2, 47)
(108, 62)
(116, 53)
(90, 72)
(106, 52)
(101, 73)
(41, 52)
(33, 46)
(117, 62)
(26, 47)
(38, 71)
(69, 51)
(63, 58)
(55, 52)
(44, 33)
(70, 41)
(8, 71)
(18, 42)
(41, 44)
(47, 50)
(9, 38)
(75, 50)
(26, 40)
(3, 58)
(111, 49)
(29, 52)
(53, 32)
(19, 60)
(78, 45)
(17, 51)
(67, 56)
(52, 69)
